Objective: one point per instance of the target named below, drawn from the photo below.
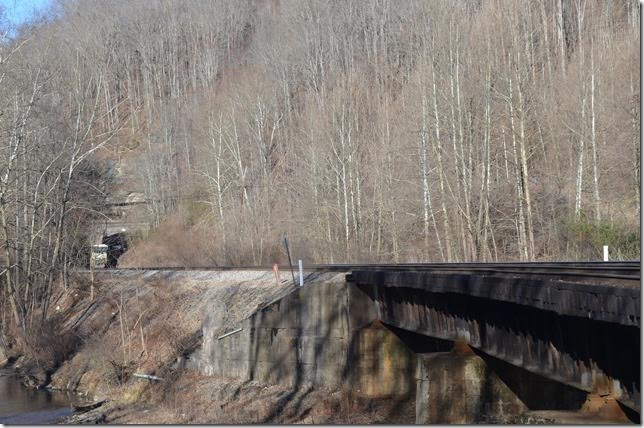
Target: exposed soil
(145, 322)
(197, 399)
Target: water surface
(22, 405)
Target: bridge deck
(600, 295)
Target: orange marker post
(276, 272)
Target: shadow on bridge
(550, 361)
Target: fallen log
(81, 408)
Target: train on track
(106, 254)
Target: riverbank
(197, 399)
(149, 323)
(22, 405)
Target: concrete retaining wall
(308, 338)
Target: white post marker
(605, 253)
(301, 273)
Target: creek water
(22, 405)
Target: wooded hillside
(364, 131)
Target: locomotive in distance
(106, 254)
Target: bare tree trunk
(592, 133)
(460, 175)
(217, 145)
(582, 134)
(523, 241)
(14, 298)
(525, 181)
(636, 146)
(544, 29)
(341, 156)
(561, 37)
(428, 210)
(441, 180)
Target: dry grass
(142, 323)
(186, 397)
(128, 328)
(180, 241)
(173, 244)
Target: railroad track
(624, 270)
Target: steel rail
(629, 270)
(523, 273)
(525, 265)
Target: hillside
(364, 131)
(394, 131)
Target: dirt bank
(150, 323)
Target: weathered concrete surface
(459, 389)
(311, 338)
(380, 364)
(288, 341)
(592, 355)
(301, 340)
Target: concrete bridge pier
(465, 386)
(458, 388)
